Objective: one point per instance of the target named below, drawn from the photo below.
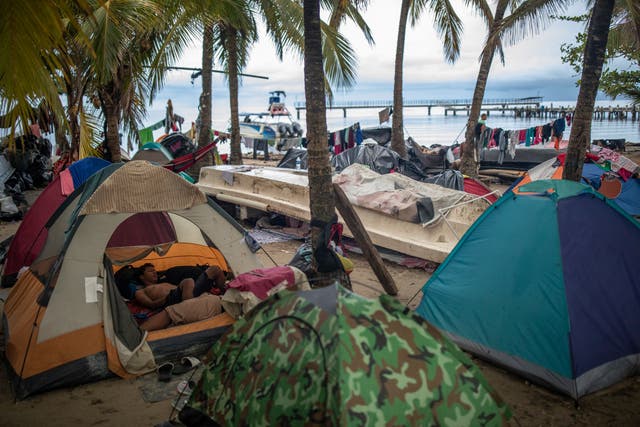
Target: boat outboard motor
(282, 129)
(297, 129)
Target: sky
(532, 67)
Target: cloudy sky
(533, 67)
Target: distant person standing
(169, 120)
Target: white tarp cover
(394, 194)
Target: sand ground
(120, 402)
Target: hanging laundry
(546, 132)
(146, 134)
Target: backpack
(124, 277)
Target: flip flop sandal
(186, 364)
(164, 372)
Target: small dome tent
(330, 357)
(64, 319)
(546, 283)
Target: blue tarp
(84, 168)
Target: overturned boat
(414, 218)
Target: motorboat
(275, 126)
(407, 216)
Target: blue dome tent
(546, 284)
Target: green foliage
(614, 82)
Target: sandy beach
(120, 402)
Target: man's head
(148, 274)
(483, 116)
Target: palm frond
(27, 73)
(112, 26)
(343, 9)
(483, 10)
(89, 135)
(447, 24)
(530, 18)
(340, 60)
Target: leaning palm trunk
(397, 133)
(322, 203)
(469, 164)
(594, 52)
(232, 51)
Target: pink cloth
(538, 138)
(35, 130)
(66, 182)
(261, 280)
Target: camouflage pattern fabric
(343, 360)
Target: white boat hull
(286, 191)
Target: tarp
(376, 157)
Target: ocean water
(447, 130)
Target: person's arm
(143, 299)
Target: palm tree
(526, 16)
(322, 203)
(204, 106)
(28, 75)
(594, 54)
(283, 20)
(232, 50)
(121, 34)
(448, 26)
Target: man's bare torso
(159, 290)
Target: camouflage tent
(330, 357)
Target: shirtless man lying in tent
(187, 302)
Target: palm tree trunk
(207, 85)
(204, 115)
(469, 164)
(112, 134)
(74, 128)
(322, 203)
(594, 52)
(232, 51)
(397, 133)
(73, 109)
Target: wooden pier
(447, 104)
(528, 107)
(599, 113)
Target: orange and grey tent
(66, 323)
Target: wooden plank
(364, 241)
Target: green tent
(330, 357)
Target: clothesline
(507, 140)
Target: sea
(437, 128)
